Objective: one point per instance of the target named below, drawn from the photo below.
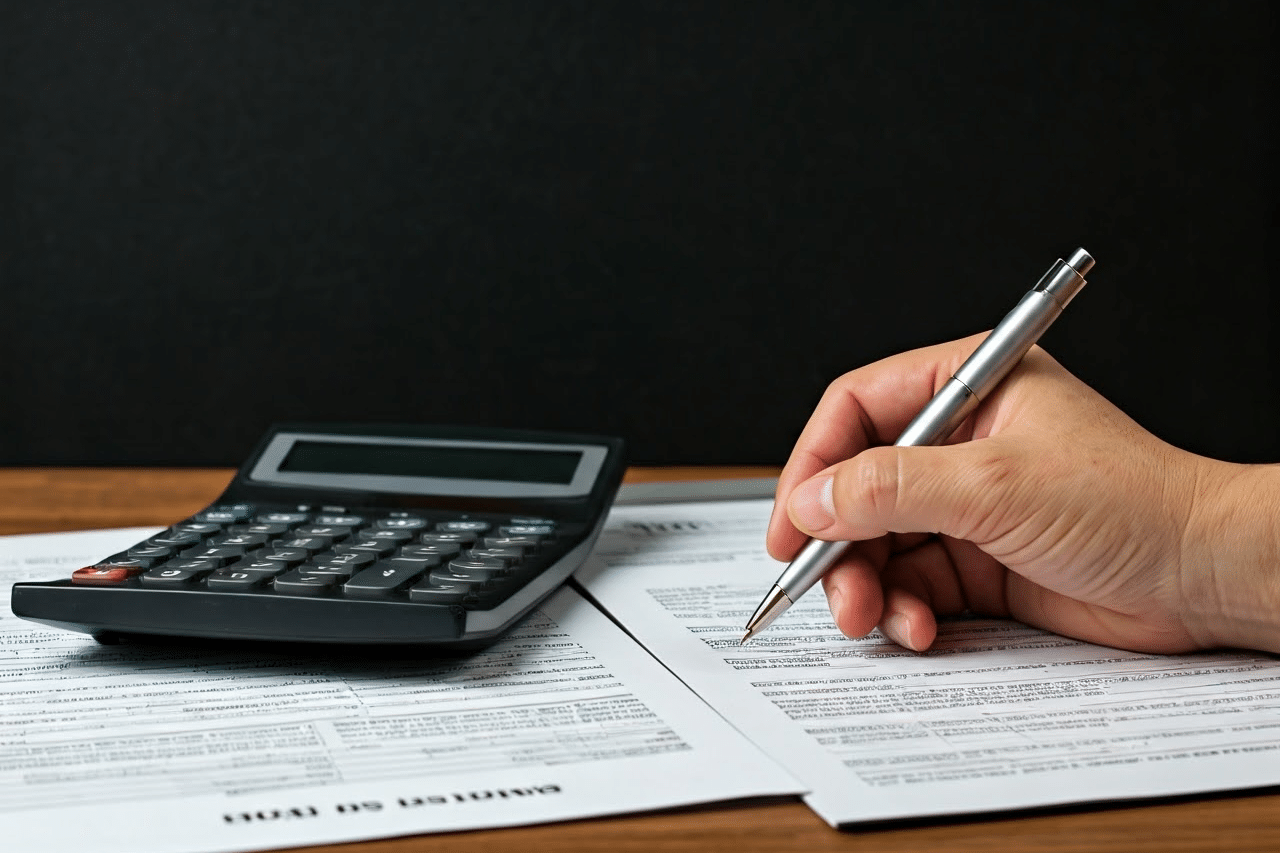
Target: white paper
(141, 750)
(998, 716)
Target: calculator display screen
(416, 465)
(455, 463)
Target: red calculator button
(104, 575)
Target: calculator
(357, 534)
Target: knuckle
(872, 484)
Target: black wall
(672, 221)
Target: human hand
(1049, 505)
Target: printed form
(997, 716)
(174, 749)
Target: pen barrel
(809, 566)
(991, 362)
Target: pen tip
(745, 637)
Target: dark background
(671, 221)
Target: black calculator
(357, 534)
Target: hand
(1049, 506)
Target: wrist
(1231, 566)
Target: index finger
(866, 407)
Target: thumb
(954, 489)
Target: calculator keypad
(430, 558)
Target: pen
(990, 363)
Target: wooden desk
(37, 500)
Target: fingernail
(833, 600)
(811, 504)
(897, 629)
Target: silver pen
(990, 363)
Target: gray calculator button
(199, 528)
(396, 536)
(175, 539)
(438, 549)
(338, 570)
(335, 532)
(524, 519)
(286, 556)
(310, 544)
(478, 564)
(381, 581)
(219, 556)
(429, 593)
(233, 580)
(264, 527)
(507, 555)
(350, 559)
(225, 514)
(340, 520)
(304, 583)
(418, 563)
(135, 562)
(403, 523)
(242, 540)
(256, 565)
(170, 575)
(150, 551)
(378, 547)
(286, 518)
(527, 530)
(464, 538)
(449, 575)
(528, 543)
(464, 526)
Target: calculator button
(171, 538)
(199, 528)
(340, 520)
(229, 514)
(464, 526)
(310, 544)
(242, 540)
(303, 583)
(507, 556)
(527, 530)
(396, 536)
(289, 519)
(528, 543)
(235, 580)
(419, 563)
(478, 564)
(440, 593)
(337, 570)
(381, 581)
(402, 523)
(335, 532)
(439, 549)
(216, 556)
(286, 556)
(170, 575)
(152, 552)
(450, 575)
(464, 539)
(257, 565)
(263, 527)
(104, 575)
(378, 547)
(188, 565)
(351, 559)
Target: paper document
(997, 716)
(168, 749)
